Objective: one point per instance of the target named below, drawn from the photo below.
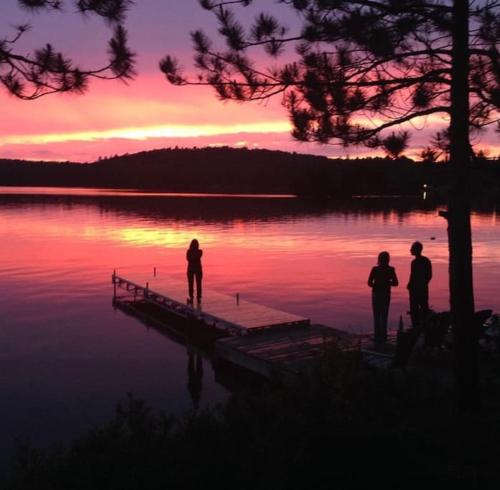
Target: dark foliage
(47, 70)
(341, 426)
(395, 144)
(360, 67)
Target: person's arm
(394, 278)
(408, 286)
(429, 271)
(371, 278)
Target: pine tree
(363, 67)
(47, 70)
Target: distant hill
(230, 170)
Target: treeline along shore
(230, 170)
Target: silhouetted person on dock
(194, 270)
(418, 285)
(382, 278)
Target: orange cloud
(149, 132)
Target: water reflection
(195, 376)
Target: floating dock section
(285, 352)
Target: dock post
(113, 278)
(146, 291)
(154, 271)
(237, 298)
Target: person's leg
(377, 304)
(419, 307)
(414, 309)
(190, 276)
(375, 313)
(424, 303)
(199, 277)
(385, 300)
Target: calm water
(67, 357)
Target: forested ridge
(229, 170)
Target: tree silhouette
(362, 67)
(440, 142)
(395, 144)
(428, 155)
(46, 70)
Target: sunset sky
(147, 113)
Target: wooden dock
(225, 313)
(258, 338)
(379, 355)
(285, 352)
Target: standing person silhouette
(194, 270)
(382, 278)
(418, 285)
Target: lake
(67, 357)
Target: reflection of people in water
(382, 278)
(194, 270)
(418, 285)
(195, 377)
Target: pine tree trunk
(459, 227)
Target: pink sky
(114, 118)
